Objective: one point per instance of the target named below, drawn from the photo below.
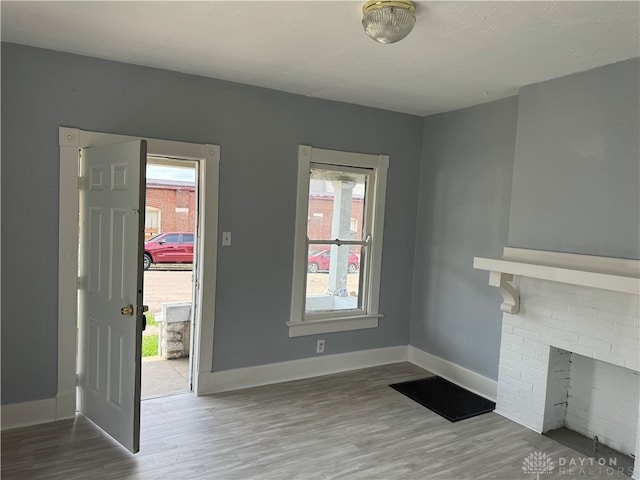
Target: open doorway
(170, 266)
(72, 369)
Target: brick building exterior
(170, 207)
(321, 216)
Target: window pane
(187, 238)
(172, 238)
(336, 204)
(151, 218)
(333, 278)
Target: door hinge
(82, 182)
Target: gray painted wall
(259, 131)
(576, 181)
(465, 189)
(575, 188)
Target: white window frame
(301, 324)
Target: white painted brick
(513, 320)
(510, 356)
(558, 291)
(631, 342)
(535, 376)
(548, 288)
(626, 331)
(521, 332)
(510, 347)
(632, 364)
(578, 319)
(513, 339)
(581, 350)
(531, 348)
(619, 318)
(540, 389)
(626, 352)
(504, 370)
(605, 335)
(521, 384)
(597, 345)
(580, 328)
(511, 395)
(514, 365)
(530, 285)
(531, 325)
(569, 337)
(508, 391)
(591, 322)
(534, 345)
(611, 357)
(536, 364)
(567, 317)
(535, 306)
(583, 311)
(553, 322)
(615, 302)
(524, 405)
(508, 407)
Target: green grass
(149, 345)
(151, 320)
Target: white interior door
(110, 298)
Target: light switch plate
(226, 239)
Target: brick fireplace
(570, 348)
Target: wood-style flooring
(344, 426)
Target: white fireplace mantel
(615, 274)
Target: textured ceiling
(459, 54)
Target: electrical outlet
(320, 346)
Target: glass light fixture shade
(388, 21)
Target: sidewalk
(163, 377)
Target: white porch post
(340, 223)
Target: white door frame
(71, 140)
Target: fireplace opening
(591, 406)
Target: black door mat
(445, 398)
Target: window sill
(340, 324)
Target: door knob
(141, 309)
(127, 310)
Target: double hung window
(338, 244)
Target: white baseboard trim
(63, 406)
(453, 372)
(28, 413)
(239, 378)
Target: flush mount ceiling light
(387, 21)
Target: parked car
(169, 247)
(319, 262)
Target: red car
(319, 262)
(169, 247)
